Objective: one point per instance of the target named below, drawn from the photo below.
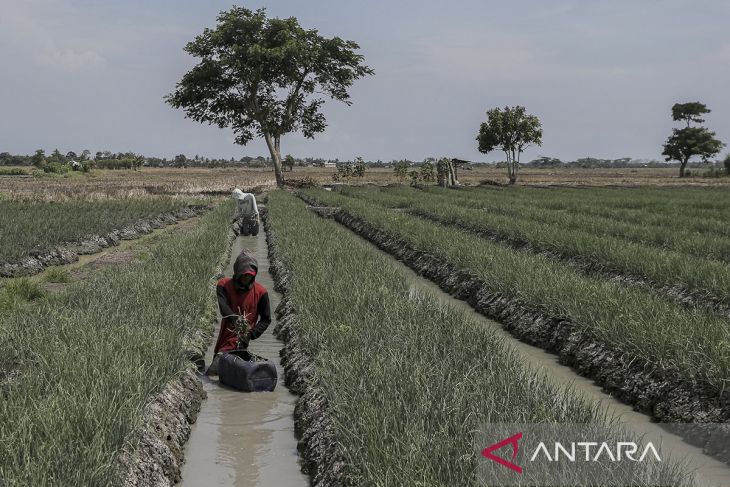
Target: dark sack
(246, 372)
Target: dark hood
(245, 262)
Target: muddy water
(246, 439)
(708, 471)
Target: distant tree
(71, 155)
(289, 162)
(261, 77)
(137, 162)
(180, 160)
(56, 157)
(85, 154)
(428, 173)
(359, 167)
(511, 130)
(39, 158)
(726, 163)
(689, 141)
(400, 169)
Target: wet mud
(245, 439)
(662, 394)
(69, 253)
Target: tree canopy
(266, 77)
(511, 130)
(689, 112)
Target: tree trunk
(682, 166)
(274, 149)
(511, 169)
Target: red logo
(512, 440)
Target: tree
(689, 112)
(137, 161)
(289, 162)
(39, 158)
(428, 174)
(400, 169)
(359, 167)
(511, 130)
(726, 163)
(689, 141)
(180, 160)
(263, 77)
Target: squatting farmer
(242, 302)
(246, 216)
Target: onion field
(77, 368)
(35, 225)
(692, 340)
(407, 380)
(692, 254)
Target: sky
(601, 75)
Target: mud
(322, 457)
(154, 453)
(246, 439)
(155, 459)
(37, 260)
(663, 394)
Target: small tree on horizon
(266, 77)
(689, 141)
(511, 130)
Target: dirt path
(246, 439)
(710, 472)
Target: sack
(247, 372)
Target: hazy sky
(601, 74)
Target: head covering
(238, 194)
(245, 262)
(244, 265)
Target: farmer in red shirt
(241, 295)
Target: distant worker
(242, 301)
(246, 216)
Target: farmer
(246, 216)
(241, 297)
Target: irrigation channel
(709, 472)
(246, 439)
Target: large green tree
(689, 141)
(511, 130)
(266, 77)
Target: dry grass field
(103, 184)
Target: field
(30, 225)
(373, 342)
(102, 184)
(692, 340)
(630, 287)
(78, 367)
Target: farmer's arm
(223, 301)
(264, 312)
